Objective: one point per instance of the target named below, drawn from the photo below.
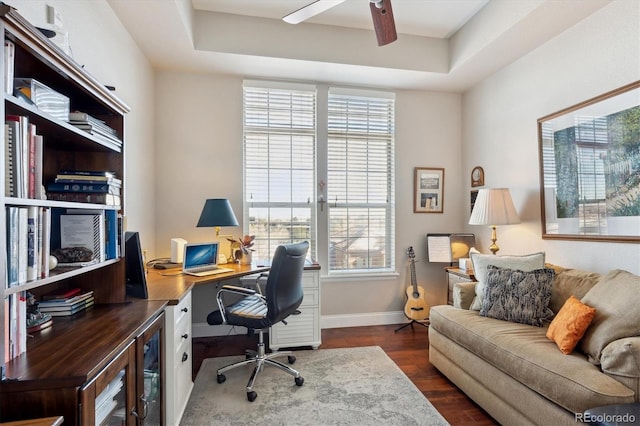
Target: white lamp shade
(494, 206)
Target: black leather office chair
(283, 295)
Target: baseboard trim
(326, 321)
(364, 319)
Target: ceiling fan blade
(383, 22)
(310, 10)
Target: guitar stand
(410, 323)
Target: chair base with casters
(260, 359)
(257, 311)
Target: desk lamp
(494, 207)
(217, 212)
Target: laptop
(200, 259)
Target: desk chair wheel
(291, 359)
(221, 378)
(299, 381)
(251, 396)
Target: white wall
(100, 43)
(500, 116)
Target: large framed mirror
(590, 169)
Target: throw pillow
(481, 261)
(571, 282)
(570, 324)
(517, 296)
(615, 298)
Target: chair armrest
(237, 290)
(463, 295)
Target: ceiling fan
(381, 13)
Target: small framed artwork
(428, 190)
(477, 177)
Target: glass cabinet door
(108, 400)
(150, 364)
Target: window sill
(359, 276)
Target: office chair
(283, 295)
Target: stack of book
(65, 303)
(97, 187)
(96, 127)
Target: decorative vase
(247, 258)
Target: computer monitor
(136, 279)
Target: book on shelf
(63, 294)
(83, 197)
(9, 58)
(85, 121)
(67, 312)
(9, 170)
(96, 173)
(57, 307)
(45, 246)
(66, 302)
(32, 243)
(13, 245)
(104, 188)
(20, 142)
(88, 180)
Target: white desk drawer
(311, 297)
(183, 310)
(183, 334)
(309, 280)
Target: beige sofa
(518, 375)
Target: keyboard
(203, 272)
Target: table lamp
(217, 212)
(494, 207)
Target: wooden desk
(171, 284)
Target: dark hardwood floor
(408, 348)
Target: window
(279, 165)
(282, 157)
(360, 181)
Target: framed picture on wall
(589, 169)
(428, 190)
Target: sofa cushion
(571, 282)
(481, 261)
(517, 296)
(569, 325)
(615, 298)
(524, 353)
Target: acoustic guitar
(416, 307)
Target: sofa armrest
(622, 357)
(463, 294)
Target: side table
(456, 275)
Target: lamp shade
(217, 212)
(494, 207)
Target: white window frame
(320, 194)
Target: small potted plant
(241, 249)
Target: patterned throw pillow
(528, 262)
(518, 296)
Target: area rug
(353, 386)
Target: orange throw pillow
(570, 324)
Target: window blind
(279, 164)
(360, 181)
